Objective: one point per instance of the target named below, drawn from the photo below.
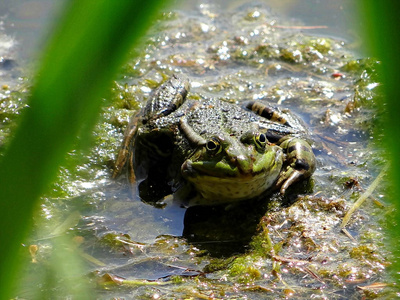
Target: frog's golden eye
(260, 140)
(214, 146)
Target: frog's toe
(288, 178)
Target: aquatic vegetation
(277, 247)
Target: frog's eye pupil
(213, 145)
(260, 140)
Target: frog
(220, 151)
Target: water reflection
(124, 212)
(221, 231)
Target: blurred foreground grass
(381, 32)
(88, 46)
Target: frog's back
(211, 116)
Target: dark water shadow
(221, 231)
(226, 230)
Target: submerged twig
(289, 260)
(362, 198)
(111, 279)
(346, 232)
(91, 259)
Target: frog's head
(226, 168)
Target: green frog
(222, 151)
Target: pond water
(28, 21)
(300, 54)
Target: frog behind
(226, 153)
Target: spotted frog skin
(221, 151)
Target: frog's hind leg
(164, 100)
(271, 113)
(300, 162)
(167, 98)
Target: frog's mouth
(215, 169)
(238, 167)
(195, 171)
(221, 185)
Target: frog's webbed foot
(288, 177)
(300, 162)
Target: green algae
(287, 246)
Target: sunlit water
(111, 207)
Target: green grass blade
(88, 46)
(382, 27)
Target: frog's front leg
(299, 162)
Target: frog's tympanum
(222, 151)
